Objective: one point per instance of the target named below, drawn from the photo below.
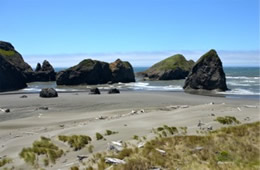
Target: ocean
(242, 82)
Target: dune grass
(5, 161)
(99, 136)
(110, 132)
(227, 120)
(42, 147)
(77, 142)
(236, 147)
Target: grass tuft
(99, 136)
(42, 147)
(76, 141)
(227, 120)
(5, 161)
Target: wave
(237, 84)
(147, 86)
(243, 77)
(238, 91)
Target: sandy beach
(129, 113)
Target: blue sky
(141, 31)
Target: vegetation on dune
(42, 147)
(227, 120)
(173, 62)
(99, 136)
(110, 132)
(5, 161)
(235, 147)
(76, 141)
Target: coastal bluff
(207, 74)
(94, 72)
(172, 68)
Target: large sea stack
(207, 74)
(11, 55)
(122, 71)
(172, 68)
(86, 72)
(11, 78)
(96, 72)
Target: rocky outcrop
(44, 72)
(96, 72)
(122, 71)
(48, 93)
(172, 68)
(11, 55)
(94, 91)
(86, 72)
(11, 78)
(207, 74)
(113, 91)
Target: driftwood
(114, 161)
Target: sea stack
(122, 71)
(94, 72)
(44, 72)
(86, 72)
(11, 78)
(172, 68)
(207, 74)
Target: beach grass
(227, 120)
(45, 147)
(234, 147)
(77, 142)
(99, 136)
(5, 161)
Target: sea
(243, 82)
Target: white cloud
(137, 59)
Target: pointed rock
(207, 74)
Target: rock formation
(113, 91)
(48, 93)
(86, 72)
(94, 91)
(96, 72)
(15, 58)
(43, 73)
(122, 71)
(207, 74)
(11, 78)
(172, 68)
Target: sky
(140, 31)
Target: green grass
(135, 137)
(110, 132)
(77, 142)
(99, 136)
(42, 147)
(237, 146)
(173, 62)
(227, 120)
(5, 161)
(7, 53)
